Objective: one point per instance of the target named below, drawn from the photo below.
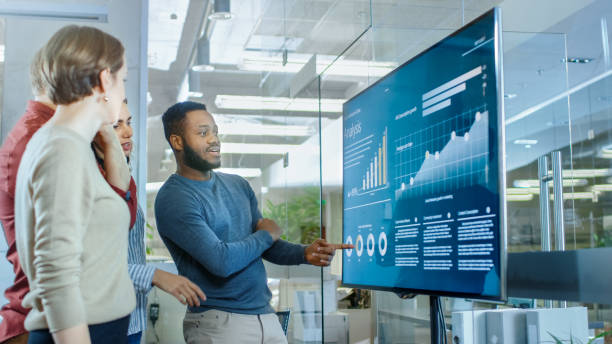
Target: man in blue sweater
(211, 224)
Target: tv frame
(501, 135)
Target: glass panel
(348, 311)
(268, 128)
(292, 198)
(589, 224)
(591, 127)
(568, 50)
(591, 148)
(534, 73)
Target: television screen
(423, 182)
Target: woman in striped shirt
(145, 276)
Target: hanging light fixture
(194, 84)
(203, 56)
(221, 10)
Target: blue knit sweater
(208, 227)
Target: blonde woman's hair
(72, 61)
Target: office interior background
(275, 76)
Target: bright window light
(522, 191)
(195, 94)
(525, 142)
(534, 183)
(606, 152)
(166, 21)
(256, 148)
(519, 198)
(224, 101)
(243, 172)
(154, 187)
(579, 195)
(587, 173)
(340, 67)
(602, 187)
(252, 129)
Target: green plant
(149, 230)
(571, 339)
(299, 216)
(602, 240)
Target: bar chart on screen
(369, 156)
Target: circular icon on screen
(359, 245)
(371, 244)
(382, 243)
(349, 241)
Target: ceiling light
(256, 148)
(525, 142)
(534, 183)
(223, 101)
(587, 173)
(580, 60)
(570, 177)
(519, 198)
(340, 67)
(592, 195)
(203, 56)
(522, 191)
(63, 12)
(194, 84)
(251, 129)
(221, 10)
(243, 172)
(602, 187)
(606, 152)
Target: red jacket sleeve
(130, 197)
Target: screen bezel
(503, 251)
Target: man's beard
(193, 160)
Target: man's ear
(176, 142)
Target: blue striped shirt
(140, 273)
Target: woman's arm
(115, 163)
(77, 335)
(63, 197)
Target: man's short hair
(36, 78)
(174, 118)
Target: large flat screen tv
(423, 172)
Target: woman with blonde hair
(71, 226)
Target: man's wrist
(156, 277)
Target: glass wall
(556, 81)
(262, 88)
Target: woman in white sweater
(71, 226)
